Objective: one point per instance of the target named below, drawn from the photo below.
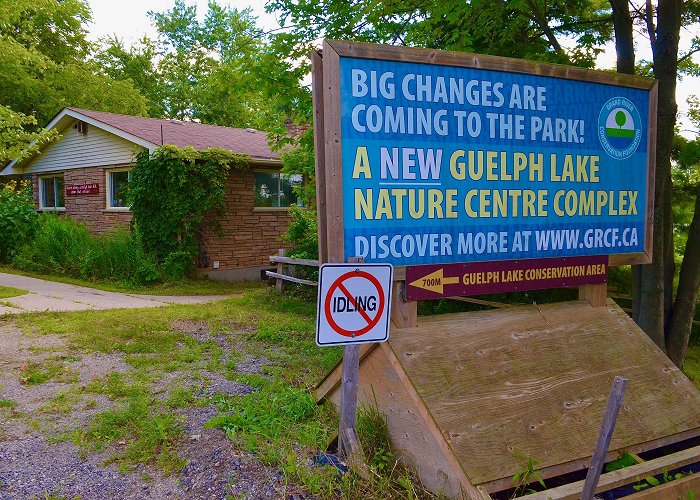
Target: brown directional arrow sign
(477, 278)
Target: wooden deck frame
(624, 476)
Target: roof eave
(270, 162)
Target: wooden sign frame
(489, 347)
(327, 113)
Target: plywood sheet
(413, 436)
(533, 381)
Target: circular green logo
(619, 128)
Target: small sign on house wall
(78, 189)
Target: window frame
(108, 188)
(42, 188)
(281, 176)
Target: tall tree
(218, 70)
(137, 64)
(667, 320)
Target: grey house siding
(76, 150)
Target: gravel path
(36, 463)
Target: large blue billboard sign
(456, 164)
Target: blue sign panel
(449, 164)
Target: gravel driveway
(39, 460)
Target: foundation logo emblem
(619, 128)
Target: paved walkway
(53, 296)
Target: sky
(129, 20)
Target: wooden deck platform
(468, 397)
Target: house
(83, 175)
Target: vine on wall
(175, 194)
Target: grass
(278, 420)
(7, 292)
(55, 369)
(691, 366)
(141, 434)
(199, 286)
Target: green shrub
(66, 247)
(17, 217)
(303, 233)
(176, 265)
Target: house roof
(154, 132)
(179, 133)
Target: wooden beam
(280, 272)
(472, 300)
(612, 410)
(348, 398)
(334, 377)
(355, 456)
(332, 156)
(403, 314)
(679, 489)
(295, 262)
(465, 60)
(594, 294)
(622, 477)
(319, 151)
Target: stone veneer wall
(250, 235)
(88, 208)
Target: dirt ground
(38, 460)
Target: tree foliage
(220, 70)
(19, 137)
(531, 29)
(44, 62)
(45, 66)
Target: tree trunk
(624, 36)
(624, 48)
(654, 277)
(687, 296)
(669, 253)
(636, 292)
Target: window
(117, 182)
(52, 193)
(274, 189)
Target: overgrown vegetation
(176, 195)
(17, 217)
(65, 247)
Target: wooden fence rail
(286, 270)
